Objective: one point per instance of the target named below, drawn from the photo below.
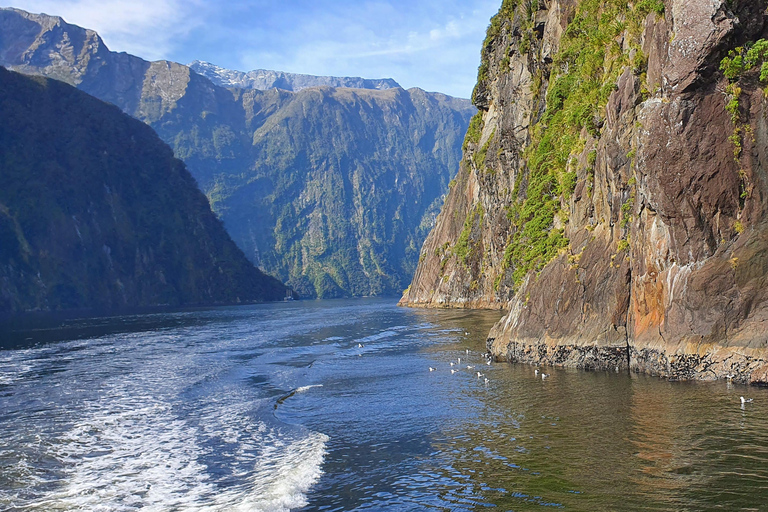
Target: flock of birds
(457, 363)
(488, 362)
(536, 372)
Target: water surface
(330, 405)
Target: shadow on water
(30, 330)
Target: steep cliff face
(96, 213)
(332, 190)
(613, 192)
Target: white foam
(302, 389)
(147, 459)
(282, 476)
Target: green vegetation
(740, 61)
(462, 249)
(474, 131)
(479, 156)
(585, 71)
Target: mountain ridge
(263, 79)
(225, 136)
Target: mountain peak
(264, 79)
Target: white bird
(486, 380)
(452, 363)
(730, 376)
(466, 333)
(488, 362)
(459, 360)
(544, 376)
(431, 369)
(453, 371)
(359, 345)
(536, 372)
(479, 375)
(745, 400)
(467, 351)
(470, 367)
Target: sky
(431, 44)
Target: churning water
(332, 406)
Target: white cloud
(151, 29)
(433, 44)
(440, 52)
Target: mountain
(332, 190)
(97, 214)
(264, 79)
(612, 195)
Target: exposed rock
(264, 79)
(665, 265)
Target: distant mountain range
(96, 213)
(264, 79)
(332, 190)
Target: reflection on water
(331, 406)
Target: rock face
(332, 190)
(97, 214)
(612, 194)
(264, 79)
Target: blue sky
(432, 44)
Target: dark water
(277, 407)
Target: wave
(124, 458)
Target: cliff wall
(612, 194)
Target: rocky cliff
(332, 190)
(612, 194)
(97, 214)
(264, 79)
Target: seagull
(730, 376)
(431, 369)
(453, 371)
(488, 362)
(359, 345)
(479, 375)
(466, 333)
(536, 372)
(544, 376)
(452, 363)
(467, 351)
(470, 367)
(486, 380)
(745, 400)
(459, 360)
